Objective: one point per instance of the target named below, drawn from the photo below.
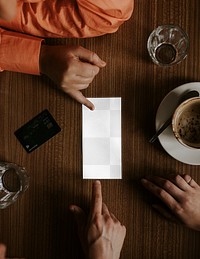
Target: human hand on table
(72, 68)
(181, 194)
(101, 234)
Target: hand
(181, 194)
(2, 251)
(71, 68)
(101, 235)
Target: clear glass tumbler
(168, 45)
(14, 180)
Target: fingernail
(143, 180)
(148, 177)
(103, 62)
(71, 208)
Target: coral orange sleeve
(70, 18)
(19, 52)
(55, 18)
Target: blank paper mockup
(101, 137)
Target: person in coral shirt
(24, 24)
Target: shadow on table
(51, 226)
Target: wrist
(101, 249)
(43, 60)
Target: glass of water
(14, 180)
(168, 45)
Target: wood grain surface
(39, 225)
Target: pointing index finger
(96, 207)
(79, 97)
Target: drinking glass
(14, 180)
(168, 45)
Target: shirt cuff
(19, 52)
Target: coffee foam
(188, 125)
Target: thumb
(89, 56)
(79, 97)
(79, 216)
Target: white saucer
(166, 138)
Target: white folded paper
(101, 139)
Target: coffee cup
(186, 123)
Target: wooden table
(39, 225)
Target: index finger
(89, 56)
(96, 207)
(79, 97)
(86, 69)
(162, 194)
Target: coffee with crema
(186, 123)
